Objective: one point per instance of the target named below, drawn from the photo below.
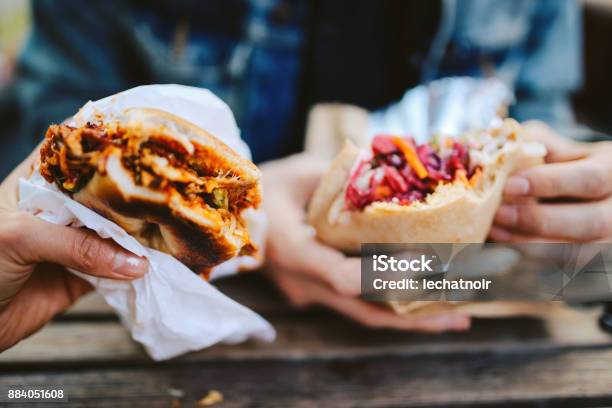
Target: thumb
(76, 248)
(559, 149)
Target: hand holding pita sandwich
(311, 272)
(568, 198)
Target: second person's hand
(310, 272)
(569, 198)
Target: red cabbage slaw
(402, 172)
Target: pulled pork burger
(168, 183)
(396, 191)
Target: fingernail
(516, 186)
(462, 323)
(130, 266)
(454, 322)
(507, 215)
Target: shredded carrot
(411, 157)
(475, 177)
(462, 177)
(383, 191)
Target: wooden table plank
(82, 336)
(561, 379)
(318, 334)
(322, 359)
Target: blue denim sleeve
(70, 57)
(76, 53)
(551, 68)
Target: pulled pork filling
(72, 155)
(401, 172)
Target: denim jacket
(249, 52)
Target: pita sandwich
(396, 192)
(445, 191)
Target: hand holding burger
(168, 183)
(34, 284)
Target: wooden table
(320, 359)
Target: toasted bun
(156, 122)
(161, 218)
